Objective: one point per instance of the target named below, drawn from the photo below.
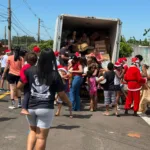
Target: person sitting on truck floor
(85, 39)
(64, 54)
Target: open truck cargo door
(116, 50)
(58, 33)
(66, 24)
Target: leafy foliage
(42, 45)
(22, 40)
(125, 48)
(145, 42)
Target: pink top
(92, 85)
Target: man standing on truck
(64, 54)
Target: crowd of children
(89, 71)
(112, 80)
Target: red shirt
(22, 73)
(125, 66)
(76, 68)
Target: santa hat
(56, 53)
(60, 67)
(135, 60)
(7, 51)
(36, 49)
(124, 59)
(117, 64)
(120, 60)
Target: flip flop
(105, 114)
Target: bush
(42, 45)
(125, 50)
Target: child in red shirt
(31, 59)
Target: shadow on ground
(5, 101)
(6, 119)
(66, 127)
(80, 116)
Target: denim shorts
(110, 97)
(41, 118)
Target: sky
(133, 13)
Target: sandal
(106, 114)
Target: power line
(3, 6)
(29, 7)
(21, 29)
(3, 16)
(46, 30)
(3, 13)
(3, 20)
(35, 15)
(19, 22)
(15, 30)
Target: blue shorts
(41, 118)
(110, 97)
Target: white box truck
(112, 27)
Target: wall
(142, 50)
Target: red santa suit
(134, 84)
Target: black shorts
(13, 79)
(117, 88)
(2, 70)
(6, 74)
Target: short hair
(31, 58)
(110, 66)
(140, 57)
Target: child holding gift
(63, 73)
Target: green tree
(46, 44)
(42, 45)
(145, 42)
(23, 40)
(125, 49)
(3, 41)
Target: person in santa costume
(134, 81)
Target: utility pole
(5, 36)
(39, 21)
(9, 24)
(17, 39)
(26, 42)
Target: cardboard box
(106, 56)
(100, 44)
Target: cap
(7, 51)
(36, 49)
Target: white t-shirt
(116, 80)
(85, 70)
(4, 61)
